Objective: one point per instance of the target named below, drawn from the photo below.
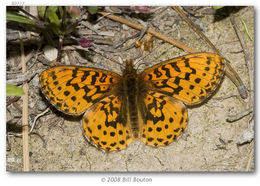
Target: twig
(247, 55)
(15, 134)
(152, 32)
(61, 37)
(42, 59)
(26, 163)
(60, 48)
(232, 118)
(194, 27)
(89, 26)
(10, 101)
(240, 86)
(41, 137)
(98, 39)
(225, 97)
(36, 118)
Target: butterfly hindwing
(73, 89)
(105, 124)
(191, 78)
(164, 118)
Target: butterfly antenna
(102, 54)
(138, 65)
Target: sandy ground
(209, 142)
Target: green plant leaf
(52, 15)
(246, 29)
(92, 9)
(55, 29)
(19, 18)
(60, 10)
(217, 7)
(41, 11)
(54, 25)
(12, 90)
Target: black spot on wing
(103, 78)
(85, 75)
(157, 73)
(94, 78)
(174, 65)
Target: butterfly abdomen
(130, 91)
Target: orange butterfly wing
(164, 118)
(105, 124)
(73, 89)
(191, 78)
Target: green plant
(12, 90)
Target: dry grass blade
(26, 163)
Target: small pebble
(246, 137)
(50, 52)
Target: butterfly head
(129, 67)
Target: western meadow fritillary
(150, 106)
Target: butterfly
(151, 105)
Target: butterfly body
(131, 93)
(150, 106)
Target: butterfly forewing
(191, 78)
(74, 89)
